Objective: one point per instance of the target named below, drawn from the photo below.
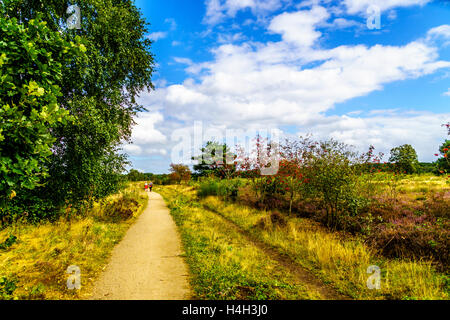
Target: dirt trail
(146, 264)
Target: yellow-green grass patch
(38, 261)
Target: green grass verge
(224, 265)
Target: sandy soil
(146, 264)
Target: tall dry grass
(38, 261)
(341, 261)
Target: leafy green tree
(215, 159)
(427, 167)
(97, 92)
(405, 158)
(149, 176)
(331, 175)
(31, 59)
(161, 179)
(443, 163)
(135, 175)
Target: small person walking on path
(150, 186)
(146, 186)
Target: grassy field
(233, 251)
(34, 267)
(221, 262)
(224, 264)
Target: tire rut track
(301, 274)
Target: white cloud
(341, 23)
(355, 112)
(360, 6)
(299, 27)
(266, 82)
(144, 132)
(387, 130)
(447, 93)
(153, 151)
(183, 60)
(155, 36)
(230, 38)
(441, 31)
(183, 95)
(214, 12)
(218, 10)
(159, 83)
(132, 149)
(294, 81)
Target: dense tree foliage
(215, 159)
(157, 179)
(136, 175)
(405, 157)
(30, 71)
(179, 173)
(79, 87)
(443, 163)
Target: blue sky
(298, 66)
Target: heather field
(231, 243)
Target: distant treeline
(422, 168)
(161, 179)
(165, 179)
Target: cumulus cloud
(133, 149)
(401, 129)
(294, 81)
(299, 27)
(145, 136)
(268, 81)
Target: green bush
(228, 189)
(7, 288)
(28, 207)
(8, 242)
(208, 187)
(333, 179)
(443, 163)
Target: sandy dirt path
(146, 264)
